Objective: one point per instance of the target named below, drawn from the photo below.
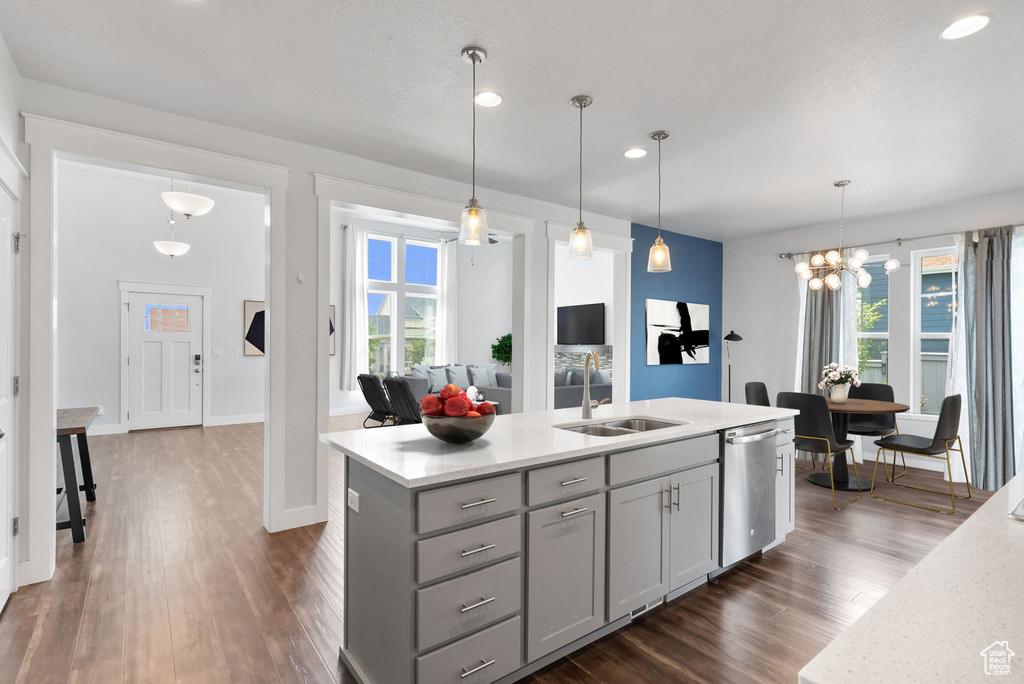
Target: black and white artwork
(254, 317)
(333, 339)
(677, 332)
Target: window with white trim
(873, 324)
(935, 278)
(402, 303)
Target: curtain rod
(898, 241)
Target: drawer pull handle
(485, 547)
(569, 514)
(573, 481)
(478, 604)
(481, 502)
(482, 665)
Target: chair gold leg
(814, 463)
(832, 480)
(874, 473)
(953, 496)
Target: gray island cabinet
(484, 562)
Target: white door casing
(165, 360)
(7, 346)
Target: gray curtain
(986, 300)
(822, 333)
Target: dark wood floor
(178, 582)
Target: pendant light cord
(659, 187)
(581, 164)
(473, 102)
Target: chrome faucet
(588, 405)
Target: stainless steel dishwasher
(748, 491)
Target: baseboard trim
(296, 517)
(215, 421)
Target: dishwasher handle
(759, 437)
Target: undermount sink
(627, 426)
(642, 424)
(600, 430)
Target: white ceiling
(767, 102)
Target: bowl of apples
(452, 417)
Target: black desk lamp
(731, 337)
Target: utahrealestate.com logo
(997, 658)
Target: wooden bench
(70, 422)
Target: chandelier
(826, 270)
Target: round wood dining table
(840, 421)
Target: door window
(166, 318)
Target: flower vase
(838, 394)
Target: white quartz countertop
(410, 456)
(965, 596)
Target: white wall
(108, 219)
(484, 299)
(585, 281)
(10, 99)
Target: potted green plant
(501, 351)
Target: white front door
(165, 362)
(7, 337)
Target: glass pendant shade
(581, 243)
(891, 265)
(473, 226)
(659, 260)
(188, 204)
(815, 283)
(864, 279)
(807, 275)
(171, 248)
(801, 267)
(833, 281)
(817, 260)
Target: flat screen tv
(582, 324)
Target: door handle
(2, 433)
(759, 437)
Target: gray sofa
(501, 394)
(572, 395)
(569, 390)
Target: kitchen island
(957, 616)
(483, 562)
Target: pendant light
(171, 247)
(473, 225)
(581, 242)
(187, 203)
(826, 270)
(659, 260)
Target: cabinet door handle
(678, 495)
(485, 547)
(782, 463)
(481, 602)
(481, 502)
(573, 481)
(569, 514)
(669, 504)
(482, 665)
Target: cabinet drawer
(461, 605)
(640, 464)
(489, 655)
(450, 506)
(564, 481)
(449, 553)
(786, 430)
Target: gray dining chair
(875, 425)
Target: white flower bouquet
(833, 374)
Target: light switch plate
(218, 352)
(238, 352)
(353, 500)
(100, 412)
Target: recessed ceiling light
(488, 98)
(966, 26)
(635, 153)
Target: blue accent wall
(696, 277)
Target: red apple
(472, 414)
(432, 405)
(485, 408)
(456, 407)
(449, 391)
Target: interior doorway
(165, 360)
(7, 347)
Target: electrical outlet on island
(353, 500)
